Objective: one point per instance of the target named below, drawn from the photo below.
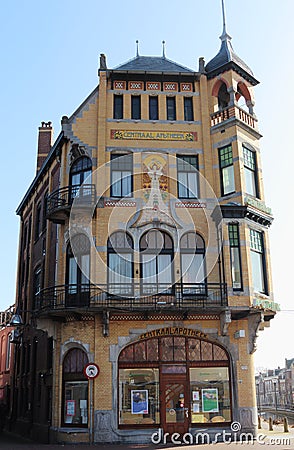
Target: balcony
(59, 300)
(59, 202)
(233, 112)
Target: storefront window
(139, 396)
(76, 403)
(210, 394)
(75, 389)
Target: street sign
(91, 370)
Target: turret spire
(224, 35)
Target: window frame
(153, 108)
(171, 108)
(38, 221)
(250, 166)
(118, 106)
(113, 170)
(227, 162)
(234, 242)
(187, 160)
(71, 377)
(188, 109)
(136, 107)
(257, 247)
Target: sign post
(91, 371)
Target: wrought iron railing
(62, 199)
(133, 296)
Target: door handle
(187, 412)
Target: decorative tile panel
(169, 86)
(120, 85)
(133, 85)
(153, 86)
(186, 87)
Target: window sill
(72, 430)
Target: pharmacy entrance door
(174, 404)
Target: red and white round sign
(91, 370)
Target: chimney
(44, 143)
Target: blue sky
(49, 59)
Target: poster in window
(139, 401)
(196, 408)
(195, 396)
(70, 407)
(210, 400)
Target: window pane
(210, 394)
(250, 184)
(226, 156)
(188, 108)
(126, 188)
(76, 402)
(153, 108)
(192, 269)
(183, 184)
(139, 396)
(116, 184)
(118, 107)
(235, 266)
(136, 107)
(228, 180)
(85, 269)
(165, 270)
(257, 271)
(73, 271)
(192, 185)
(171, 108)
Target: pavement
(266, 440)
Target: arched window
(80, 170)
(75, 389)
(78, 270)
(243, 97)
(192, 263)
(157, 254)
(120, 263)
(223, 97)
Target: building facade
(6, 364)
(144, 250)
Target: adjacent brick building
(144, 249)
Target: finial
(224, 17)
(163, 49)
(137, 54)
(224, 35)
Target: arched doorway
(174, 381)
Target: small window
(121, 175)
(38, 221)
(171, 108)
(187, 176)
(117, 106)
(250, 170)
(153, 108)
(258, 261)
(235, 255)
(188, 109)
(136, 107)
(8, 352)
(227, 170)
(37, 281)
(44, 218)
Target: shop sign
(171, 331)
(154, 135)
(258, 204)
